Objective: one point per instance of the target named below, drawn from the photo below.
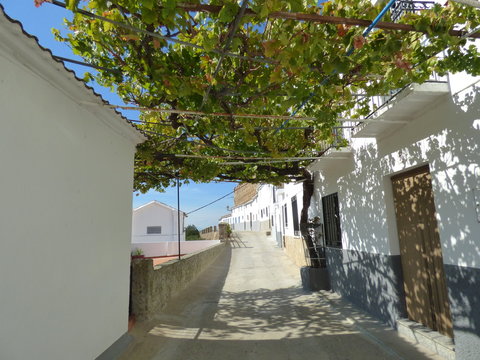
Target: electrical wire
(210, 203)
(192, 112)
(61, 58)
(188, 156)
(201, 144)
(240, 128)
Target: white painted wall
(169, 248)
(241, 215)
(289, 191)
(446, 135)
(264, 207)
(65, 215)
(252, 216)
(156, 214)
(264, 201)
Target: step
(430, 339)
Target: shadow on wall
(454, 150)
(447, 138)
(371, 281)
(456, 178)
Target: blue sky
(39, 22)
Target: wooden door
(420, 250)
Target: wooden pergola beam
(322, 19)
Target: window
(154, 230)
(331, 220)
(285, 215)
(296, 225)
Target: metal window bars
(401, 7)
(316, 233)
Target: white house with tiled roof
(65, 216)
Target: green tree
(192, 233)
(223, 58)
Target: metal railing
(349, 128)
(401, 7)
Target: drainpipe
(374, 22)
(379, 17)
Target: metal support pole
(178, 216)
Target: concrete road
(249, 305)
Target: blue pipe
(379, 17)
(349, 52)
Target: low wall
(169, 248)
(295, 250)
(210, 235)
(152, 288)
(140, 239)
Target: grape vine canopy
(229, 58)
(196, 70)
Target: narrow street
(250, 305)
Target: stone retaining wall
(152, 288)
(210, 236)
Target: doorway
(420, 251)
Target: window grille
(296, 225)
(285, 216)
(154, 230)
(331, 220)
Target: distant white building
(157, 222)
(274, 210)
(155, 232)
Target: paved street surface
(249, 305)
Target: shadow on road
(220, 318)
(236, 242)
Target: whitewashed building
(155, 232)
(65, 217)
(274, 210)
(401, 213)
(255, 214)
(287, 210)
(157, 222)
